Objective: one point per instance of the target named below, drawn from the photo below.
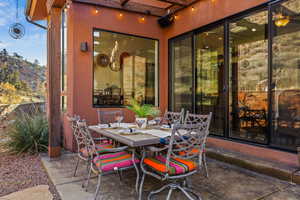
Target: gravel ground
(21, 172)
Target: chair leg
(98, 187)
(159, 190)
(88, 179)
(77, 163)
(183, 190)
(141, 186)
(205, 164)
(170, 193)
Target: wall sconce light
(142, 19)
(97, 10)
(84, 47)
(120, 15)
(175, 17)
(193, 8)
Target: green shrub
(144, 110)
(29, 133)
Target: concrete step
(282, 170)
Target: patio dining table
(139, 139)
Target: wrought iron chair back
(89, 142)
(80, 139)
(190, 139)
(106, 117)
(173, 117)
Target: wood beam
(176, 2)
(123, 2)
(53, 81)
(190, 3)
(129, 6)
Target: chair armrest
(156, 149)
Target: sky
(33, 45)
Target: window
(125, 67)
(63, 61)
(248, 77)
(245, 69)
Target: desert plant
(144, 110)
(29, 133)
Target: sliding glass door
(181, 73)
(209, 90)
(246, 71)
(286, 75)
(248, 77)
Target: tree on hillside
(8, 94)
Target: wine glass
(140, 122)
(158, 120)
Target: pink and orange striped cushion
(114, 160)
(100, 149)
(177, 165)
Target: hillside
(20, 79)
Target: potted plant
(142, 112)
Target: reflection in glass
(125, 67)
(209, 54)
(182, 78)
(248, 79)
(286, 75)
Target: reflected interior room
(125, 67)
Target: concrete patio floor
(226, 182)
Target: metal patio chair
(80, 137)
(115, 160)
(173, 117)
(79, 140)
(175, 167)
(197, 119)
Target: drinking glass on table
(158, 120)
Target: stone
(40, 192)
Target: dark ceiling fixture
(17, 30)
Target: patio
(225, 183)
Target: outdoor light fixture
(253, 29)
(193, 8)
(175, 17)
(120, 14)
(281, 20)
(97, 10)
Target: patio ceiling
(151, 7)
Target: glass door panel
(248, 77)
(182, 73)
(210, 95)
(286, 75)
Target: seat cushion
(111, 161)
(193, 151)
(177, 165)
(100, 149)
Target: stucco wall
(81, 21)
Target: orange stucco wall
(81, 21)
